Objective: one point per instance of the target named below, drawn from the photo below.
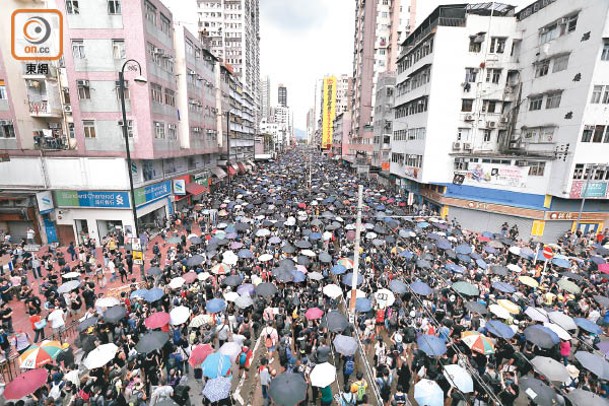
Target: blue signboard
(92, 198)
(151, 193)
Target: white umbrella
(457, 376)
(323, 375)
(333, 291)
(316, 276)
(200, 320)
(177, 282)
(73, 377)
(203, 276)
(230, 258)
(244, 302)
(232, 349)
(308, 253)
(100, 356)
(107, 302)
(70, 275)
(499, 311)
(537, 314)
(384, 297)
(231, 296)
(562, 320)
(514, 268)
(291, 221)
(263, 232)
(179, 315)
(371, 236)
(265, 257)
(428, 393)
(514, 250)
(560, 332)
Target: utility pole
(228, 143)
(358, 232)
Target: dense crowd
(444, 315)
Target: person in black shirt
(6, 313)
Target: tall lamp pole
(228, 143)
(140, 80)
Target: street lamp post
(228, 144)
(140, 80)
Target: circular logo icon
(36, 30)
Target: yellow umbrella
(509, 306)
(527, 280)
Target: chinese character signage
(481, 174)
(328, 112)
(153, 192)
(90, 198)
(594, 189)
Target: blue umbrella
(274, 240)
(480, 262)
(314, 236)
(247, 254)
(487, 234)
(140, 293)
(454, 268)
(217, 389)
(363, 305)
(153, 295)
(423, 224)
(541, 336)
(597, 260)
(216, 365)
(475, 255)
(489, 249)
(407, 254)
(421, 288)
(499, 329)
(561, 262)
(527, 253)
(463, 249)
(348, 279)
(504, 287)
(588, 325)
(298, 276)
(464, 258)
(338, 269)
(443, 244)
(215, 305)
(431, 345)
(246, 289)
(397, 286)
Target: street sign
(31, 248)
(548, 252)
(138, 257)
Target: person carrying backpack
(359, 387)
(245, 360)
(348, 369)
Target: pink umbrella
(190, 277)
(157, 320)
(604, 268)
(314, 313)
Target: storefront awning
(195, 189)
(242, 169)
(218, 172)
(235, 167)
(252, 163)
(231, 170)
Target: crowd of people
(444, 316)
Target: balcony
(47, 141)
(43, 109)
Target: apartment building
(499, 116)
(64, 170)
(383, 126)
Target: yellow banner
(328, 112)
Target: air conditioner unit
(192, 72)
(522, 163)
(196, 129)
(67, 109)
(467, 146)
(129, 123)
(5, 122)
(157, 124)
(456, 146)
(469, 117)
(84, 83)
(171, 126)
(504, 120)
(159, 51)
(33, 83)
(491, 124)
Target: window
(165, 25)
(536, 168)
(151, 13)
(605, 53)
(489, 106)
(159, 130)
(542, 68)
(156, 93)
(71, 131)
(84, 91)
(498, 45)
(114, 7)
(118, 89)
(463, 134)
(7, 131)
(475, 43)
(78, 49)
(597, 91)
(467, 104)
(560, 63)
(118, 49)
(596, 133)
(606, 95)
(89, 128)
(470, 75)
(553, 100)
(488, 135)
(587, 134)
(72, 7)
(170, 97)
(493, 75)
(599, 131)
(548, 33)
(3, 95)
(578, 173)
(568, 24)
(171, 132)
(535, 103)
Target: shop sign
(138, 257)
(89, 198)
(179, 187)
(560, 215)
(579, 189)
(45, 201)
(498, 175)
(153, 192)
(201, 178)
(477, 205)
(31, 248)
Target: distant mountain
(300, 134)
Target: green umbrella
(466, 288)
(569, 286)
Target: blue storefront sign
(92, 198)
(153, 192)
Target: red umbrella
(350, 235)
(604, 268)
(199, 353)
(302, 206)
(26, 384)
(482, 238)
(190, 277)
(314, 313)
(157, 320)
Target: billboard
(328, 111)
(482, 174)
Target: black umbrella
(602, 300)
(593, 363)
(422, 263)
(476, 307)
(283, 275)
(335, 321)
(86, 342)
(540, 393)
(151, 341)
(287, 264)
(115, 314)
(499, 270)
(232, 280)
(325, 257)
(266, 289)
(194, 260)
(584, 397)
(288, 389)
(303, 244)
(304, 260)
(196, 240)
(242, 227)
(288, 249)
(86, 323)
(154, 271)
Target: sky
(301, 41)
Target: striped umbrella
(346, 262)
(37, 356)
(217, 389)
(220, 269)
(478, 342)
